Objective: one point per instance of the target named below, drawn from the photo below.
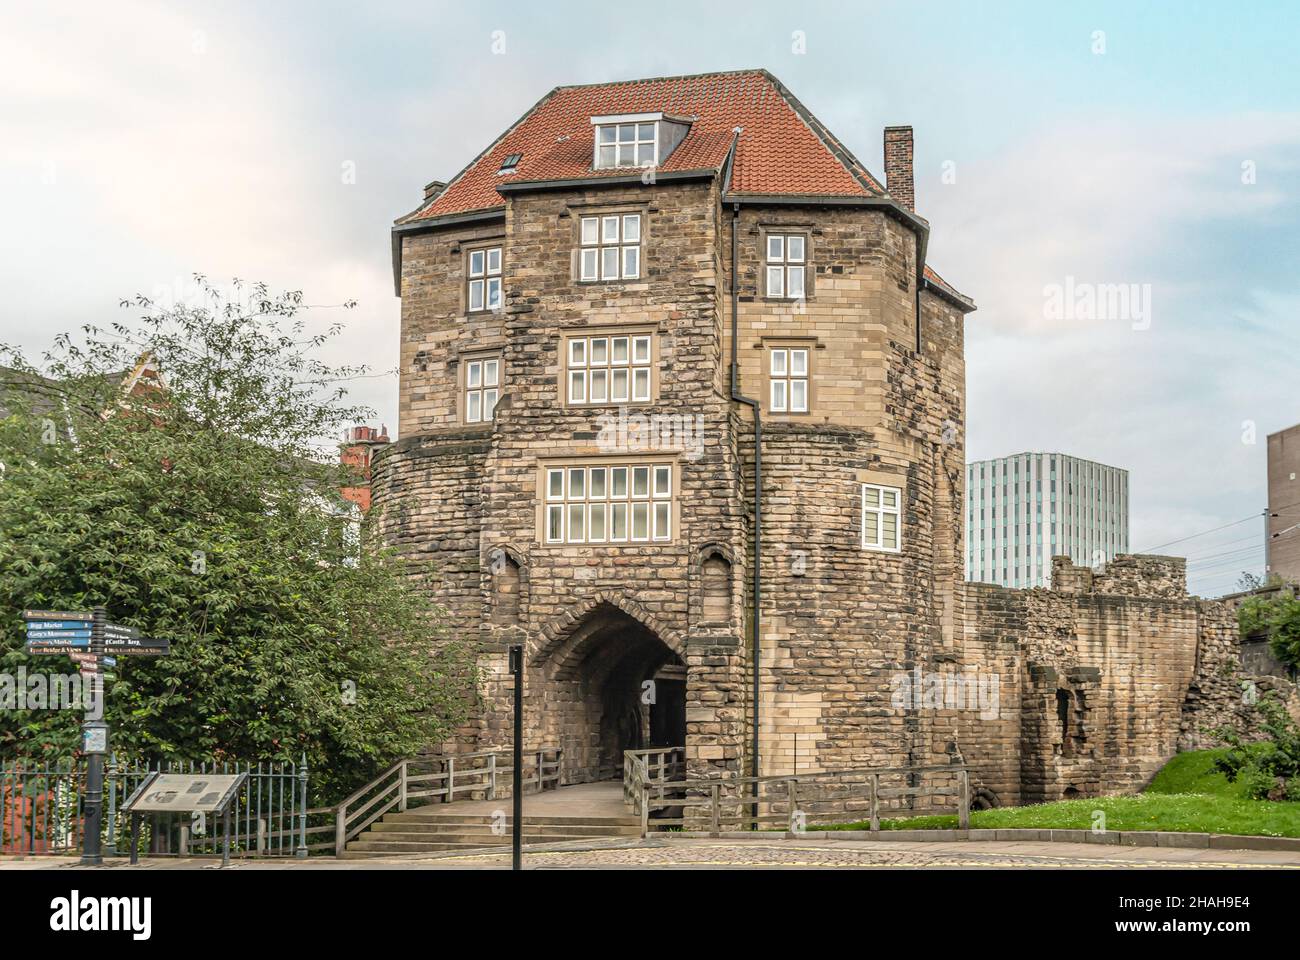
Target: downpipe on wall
(757, 589)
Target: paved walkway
(581, 800)
(760, 853)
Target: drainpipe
(758, 488)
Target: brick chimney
(898, 166)
(357, 450)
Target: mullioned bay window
(608, 503)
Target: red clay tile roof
(947, 288)
(782, 149)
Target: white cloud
(1118, 201)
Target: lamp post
(517, 839)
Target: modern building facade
(682, 410)
(1283, 546)
(1024, 509)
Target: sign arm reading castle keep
(651, 254)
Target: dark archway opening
(620, 687)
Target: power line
(1254, 538)
(1253, 516)
(1214, 555)
(1227, 559)
(1194, 536)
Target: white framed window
(788, 380)
(482, 389)
(882, 518)
(610, 247)
(484, 279)
(786, 263)
(609, 503)
(612, 368)
(627, 145)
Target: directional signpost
(93, 643)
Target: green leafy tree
(1278, 615)
(204, 508)
(1261, 765)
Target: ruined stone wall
(1112, 672)
(1224, 690)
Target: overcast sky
(1157, 146)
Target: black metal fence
(41, 810)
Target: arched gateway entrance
(610, 683)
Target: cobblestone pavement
(757, 853)
(698, 854)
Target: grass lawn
(1187, 796)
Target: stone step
(574, 828)
(464, 839)
(419, 815)
(373, 845)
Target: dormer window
(625, 145)
(635, 139)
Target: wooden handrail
(863, 779)
(393, 788)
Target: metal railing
(42, 810)
(796, 802)
(477, 776)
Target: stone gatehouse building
(682, 409)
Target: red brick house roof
(781, 150)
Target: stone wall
(868, 657)
(1108, 674)
(643, 601)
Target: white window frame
(482, 389)
(629, 135)
(780, 267)
(622, 364)
(782, 376)
(597, 241)
(485, 279)
(583, 499)
(880, 511)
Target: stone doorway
(610, 684)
